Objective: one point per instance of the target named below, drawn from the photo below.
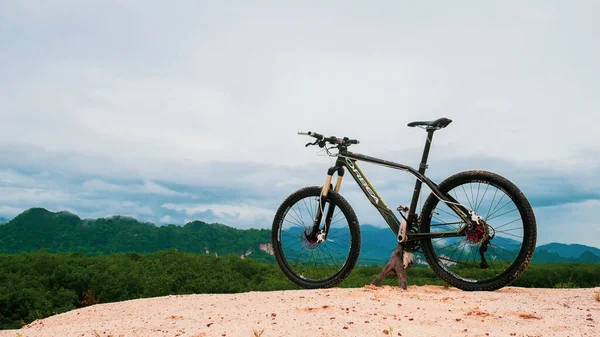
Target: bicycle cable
(451, 202)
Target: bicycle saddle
(438, 123)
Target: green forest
(38, 228)
(40, 284)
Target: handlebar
(321, 140)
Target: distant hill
(560, 252)
(571, 250)
(378, 243)
(39, 228)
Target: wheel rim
(500, 240)
(312, 261)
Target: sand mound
(368, 311)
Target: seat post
(423, 165)
(422, 168)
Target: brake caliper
(320, 236)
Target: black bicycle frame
(347, 159)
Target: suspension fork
(323, 202)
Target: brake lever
(309, 144)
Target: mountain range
(375, 240)
(38, 228)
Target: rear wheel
(306, 261)
(489, 256)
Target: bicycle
(476, 229)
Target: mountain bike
(476, 229)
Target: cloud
(99, 185)
(199, 104)
(569, 223)
(148, 187)
(154, 188)
(239, 215)
(15, 195)
(194, 96)
(9, 211)
(563, 199)
(12, 178)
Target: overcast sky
(184, 110)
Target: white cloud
(16, 195)
(204, 94)
(99, 185)
(239, 215)
(10, 177)
(105, 207)
(148, 187)
(569, 223)
(10, 211)
(364, 74)
(222, 210)
(154, 188)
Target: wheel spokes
(497, 243)
(311, 260)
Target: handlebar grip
(316, 135)
(349, 141)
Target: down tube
(372, 195)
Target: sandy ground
(368, 311)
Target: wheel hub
(478, 234)
(309, 240)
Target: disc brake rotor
(478, 234)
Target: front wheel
(488, 256)
(307, 261)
